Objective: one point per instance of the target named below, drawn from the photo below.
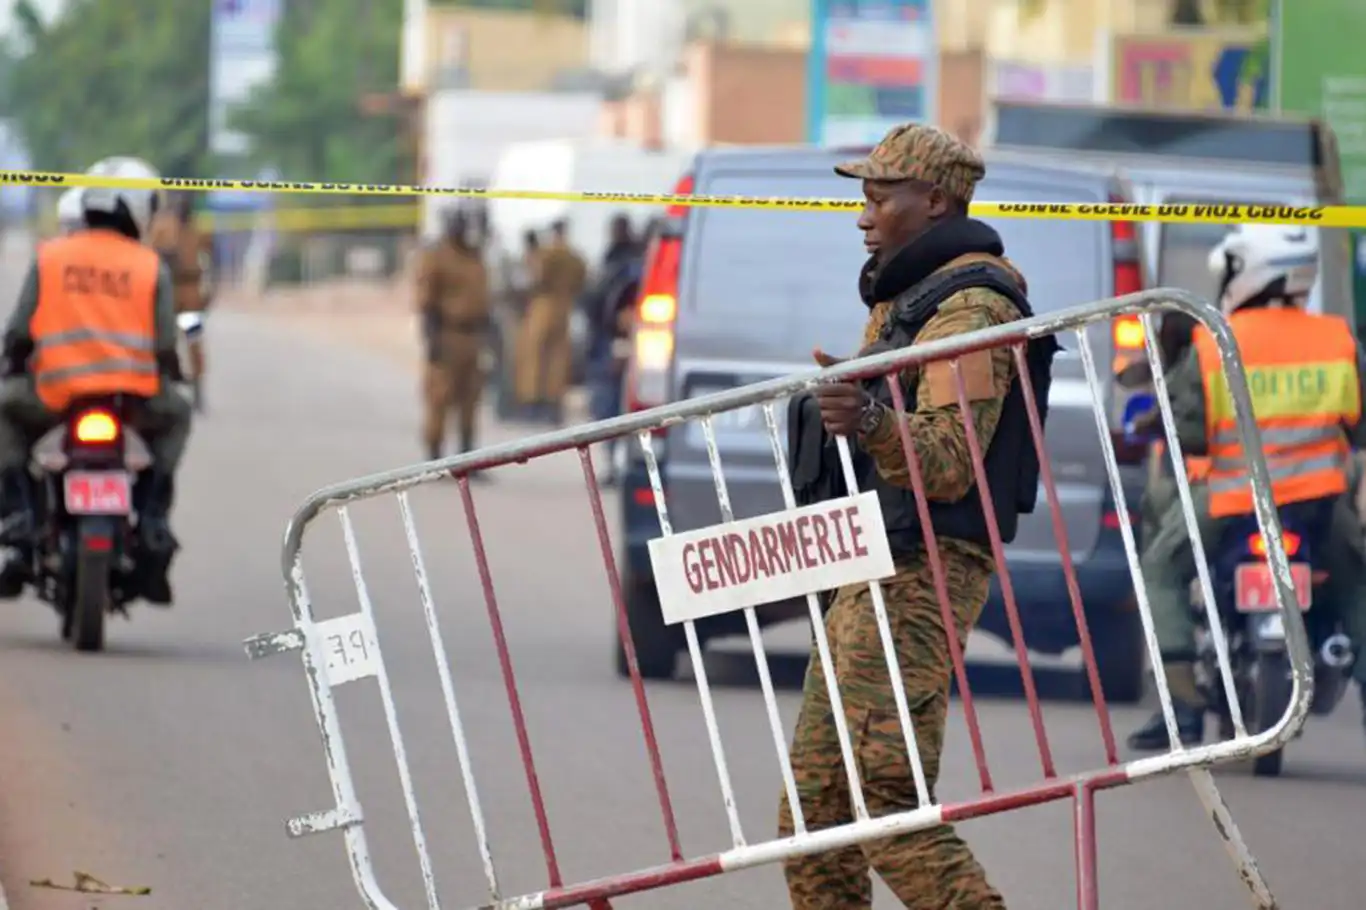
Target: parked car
(749, 293)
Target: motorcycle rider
(1266, 272)
(95, 316)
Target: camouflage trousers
(931, 869)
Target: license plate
(97, 493)
(1255, 592)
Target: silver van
(731, 297)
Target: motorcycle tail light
(1257, 544)
(96, 427)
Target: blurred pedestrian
(453, 301)
(185, 251)
(933, 272)
(544, 354)
(610, 308)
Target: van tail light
(1126, 332)
(1111, 520)
(96, 428)
(1256, 544)
(652, 341)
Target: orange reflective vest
(1302, 375)
(94, 330)
(1197, 466)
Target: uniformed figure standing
(453, 301)
(933, 272)
(185, 250)
(544, 355)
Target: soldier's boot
(467, 445)
(157, 545)
(16, 530)
(1188, 707)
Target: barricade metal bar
(386, 695)
(443, 670)
(1069, 569)
(533, 781)
(941, 589)
(813, 606)
(647, 726)
(1183, 488)
(998, 553)
(699, 667)
(884, 628)
(756, 640)
(1088, 361)
(1079, 788)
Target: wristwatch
(870, 417)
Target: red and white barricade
(346, 649)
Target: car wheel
(657, 646)
(1121, 657)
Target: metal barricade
(345, 649)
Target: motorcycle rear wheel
(1269, 696)
(90, 601)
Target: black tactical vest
(1012, 464)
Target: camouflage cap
(918, 151)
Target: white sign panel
(770, 558)
(349, 648)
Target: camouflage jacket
(937, 432)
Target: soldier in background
(544, 355)
(185, 251)
(453, 301)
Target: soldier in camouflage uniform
(918, 183)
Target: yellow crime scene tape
(1331, 216)
(348, 218)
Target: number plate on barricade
(1254, 590)
(97, 493)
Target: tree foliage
(308, 121)
(112, 78)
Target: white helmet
(1277, 261)
(140, 204)
(70, 214)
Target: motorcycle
(1245, 594)
(191, 325)
(85, 558)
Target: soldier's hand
(841, 407)
(825, 360)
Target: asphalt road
(172, 762)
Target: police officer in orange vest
(68, 339)
(1266, 273)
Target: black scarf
(943, 242)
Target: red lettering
(739, 557)
(787, 532)
(836, 518)
(822, 539)
(691, 570)
(772, 547)
(855, 531)
(756, 555)
(725, 562)
(704, 553)
(804, 535)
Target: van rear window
(1218, 138)
(807, 263)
